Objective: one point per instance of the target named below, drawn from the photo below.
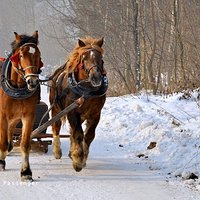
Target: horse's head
(26, 59)
(91, 62)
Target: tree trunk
(136, 43)
(150, 64)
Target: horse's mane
(75, 57)
(24, 39)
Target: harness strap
(36, 75)
(18, 71)
(83, 89)
(29, 67)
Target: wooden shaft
(49, 135)
(69, 108)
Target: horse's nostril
(29, 81)
(96, 78)
(96, 81)
(32, 82)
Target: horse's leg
(11, 129)
(89, 135)
(26, 174)
(76, 141)
(57, 151)
(3, 142)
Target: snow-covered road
(108, 175)
(128, 124)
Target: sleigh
(41, 140)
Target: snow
(121, 164)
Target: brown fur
(14, 110)
(61, 96)
(75, 57)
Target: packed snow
(146, 147)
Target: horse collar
(86, 90)
(16, 93)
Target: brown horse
(82, 75)
(19, 93)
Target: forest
(151, 45)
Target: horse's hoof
(57, 155)
(77, 168)
(26, 178)
(26, 175)
(2, 165)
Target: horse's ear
(35, 35)
(17, 37)
(100, 42)
(81, 43)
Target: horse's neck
(16, 79)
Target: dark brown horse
(83, 75)
(19, 93)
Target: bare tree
(149, 44)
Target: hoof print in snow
(152, 145)
(141, 155)
(175, 122)
(189, 176)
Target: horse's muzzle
(32, 82)
(96, 80)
